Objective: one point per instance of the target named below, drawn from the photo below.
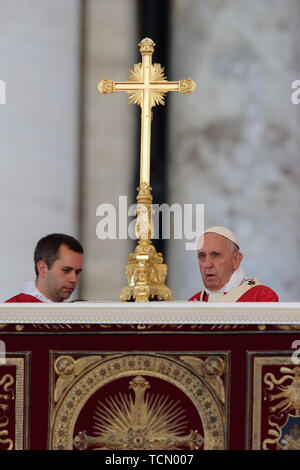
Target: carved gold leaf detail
(106, 86)
(147, 46)
(187, 86)
(135, 97)
(136, 74)
(144, 223)
(158, 73)
(157, 97)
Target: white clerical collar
(31, 289)
(236, 279)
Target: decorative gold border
(64, 415)
(19, 362)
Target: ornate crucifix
(146, 87)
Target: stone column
(234, 145)
(108, 149)
(39, 50)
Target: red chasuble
(23, 298)
(258, 293)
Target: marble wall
(234, 144)
(39, 63)
(108, 146)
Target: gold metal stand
(145, 270)
(146, 87)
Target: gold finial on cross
(146, 87)
(147, 46)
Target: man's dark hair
(47, 248)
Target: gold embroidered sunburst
(144, 422)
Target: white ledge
(152, 313)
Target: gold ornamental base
(146, 275)
(145, 271)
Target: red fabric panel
(23, 298)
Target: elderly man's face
(217, 261)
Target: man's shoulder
(23, 298)
(196, 296)
(256, 293)
(259, 293)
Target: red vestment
(258, 293)
(23, 298)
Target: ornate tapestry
(138, 401)
(186, 387)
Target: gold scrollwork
(6, 383)
(280, 392)
(4, 432)
(289, 395)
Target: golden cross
(146, 87)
